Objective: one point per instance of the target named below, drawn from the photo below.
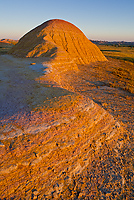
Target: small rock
(35, 192)
(1, 144)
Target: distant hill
(8, 41)
(114, 43)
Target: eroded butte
(56, 143)
(59, 40)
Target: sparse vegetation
(118, 52)
(126, 75)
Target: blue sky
(111, 20)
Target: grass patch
(124, 72)
(126, 75)
(117, 52)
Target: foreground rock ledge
(48, 150)
(59, 143)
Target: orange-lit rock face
(58, 40)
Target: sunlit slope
(58, 40)
(53, 146)
(55, 143)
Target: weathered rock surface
(55, 142)
(60, 144)
(56, 146)
(58, 40)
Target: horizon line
(87, 37)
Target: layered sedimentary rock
(45, 153)
(56, 143)
(58, 40)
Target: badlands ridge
(58, 40)
(56, 143)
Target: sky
(109, 20)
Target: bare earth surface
(99, 83)
(65, 133)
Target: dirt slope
(59, 40)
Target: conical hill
(58, 40)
